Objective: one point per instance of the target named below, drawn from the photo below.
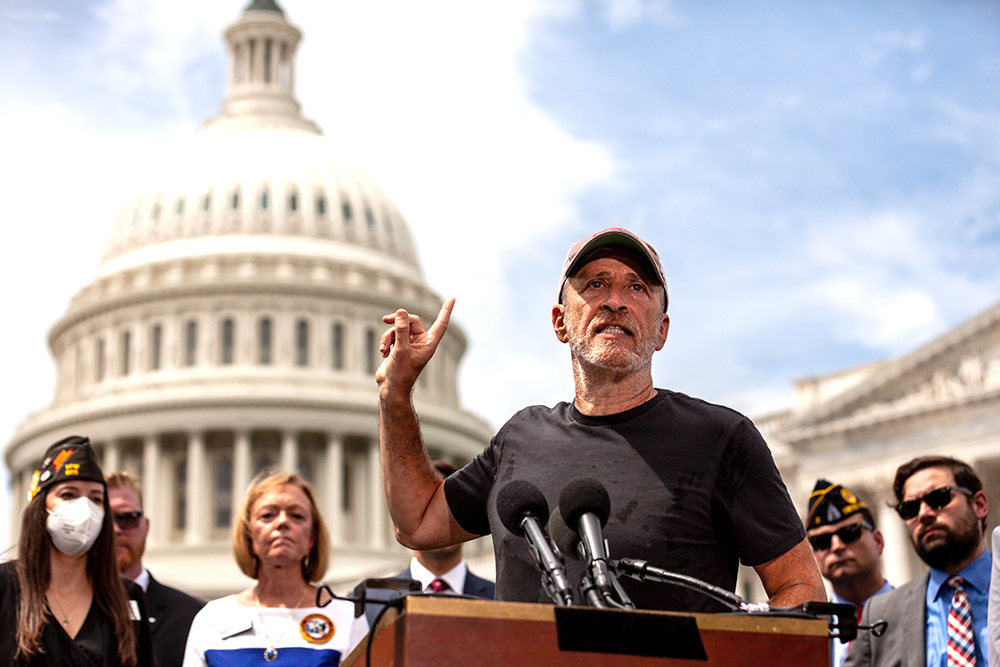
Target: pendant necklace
(271, 653)
(64, 614)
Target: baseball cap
(613, 236)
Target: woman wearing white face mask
(62, 602)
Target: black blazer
(474, 586)
(170, 614)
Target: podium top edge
(443, 605)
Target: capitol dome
(233, 324)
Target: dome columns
(261, 86)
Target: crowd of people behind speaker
(941, 617)
(281, 540)
(63, 600)
(848, 545)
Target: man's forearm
(408, 479)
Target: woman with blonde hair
(62, 602)
(279, 539)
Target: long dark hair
(34, 574)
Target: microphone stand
(845, 627)
(643, 571)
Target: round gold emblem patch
(316, 628)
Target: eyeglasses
(936, 499)
(127, 520)
(848, 535)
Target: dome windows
(268, 44)
(227, 343)
(337, 346)
(179, 206)
(321, 206)
(190, 343)
(265, 196)
(371, 351)
(293, 202)
(302, 343)
(264, 341)
(345, 209)
(234, 201)
(99, 361)
(125, 351)
(206, 202)
(155, 345)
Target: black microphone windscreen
(518, 498)
(564, 537)
(584, 494)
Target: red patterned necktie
(961, 640)
(439, 586)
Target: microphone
(568, 542)
(585, 504)
(523, 510)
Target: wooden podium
(438, 631)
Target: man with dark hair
(693, 487)
(939, 618)
(442, 571)
(170, 610)
(847, 546)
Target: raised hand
(407, 346)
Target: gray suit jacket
(903, 644)
(993, 616)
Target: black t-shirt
(693, 489)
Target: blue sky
(821, 178)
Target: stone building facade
(234, 324)
(855, 427)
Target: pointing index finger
(444, 316)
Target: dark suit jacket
(170, 614)
(903, 644)
(474, 586)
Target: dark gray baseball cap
(614, 236)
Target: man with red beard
(693, 487)
(939, 618)
(170, 610)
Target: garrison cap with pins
(70, 458)
(830, 503)
(614, 236)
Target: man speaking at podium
(693, 487)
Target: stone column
(111, 461)
(289, 451)
(896, 555)
(378, 518)
(242, 466)
(196, 504)
(153, 503)
(333, 487)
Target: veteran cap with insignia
(830, 503)
(70, 458)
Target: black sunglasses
(847, 534)
(127, 520)
(936, 499)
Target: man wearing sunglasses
(938, 618)
(847, 546)
(170, 610)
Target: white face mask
(75, 524)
